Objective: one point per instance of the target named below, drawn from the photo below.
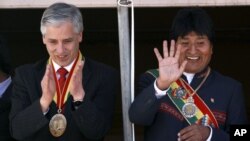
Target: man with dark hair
(184, 99)
(5, 91)
(66, 97)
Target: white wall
(113, 3)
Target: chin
(62, 63)
(191, 70)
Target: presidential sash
(193, 108)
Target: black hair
(5, 61)
(192, 19)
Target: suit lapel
(86, 73)
(40, 68)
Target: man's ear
(80, 37)
(43, 38)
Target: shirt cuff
(44, 113)
(159, 93)
(210, 135)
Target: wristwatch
(76, 104)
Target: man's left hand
(76, 87)
(194, 132)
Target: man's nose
(192, 48)
(60, 48)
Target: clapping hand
(48, 88)
(76, 87)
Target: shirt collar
(4, 85)
(68, 68)
(189, 76)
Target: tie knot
(62, 71)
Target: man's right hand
(48, 88)
(169, 68)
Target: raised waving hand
(169, 68)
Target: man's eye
(184, 43)
(52, 42)
(67, 41)
(200, 43)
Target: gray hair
(59, 13)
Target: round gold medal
(57, 125)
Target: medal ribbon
(202, 111)
(61, 96)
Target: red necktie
(62, 72)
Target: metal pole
(124, 46)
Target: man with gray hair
(66, 96)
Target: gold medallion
(57, 125)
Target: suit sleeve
(236, 114)
(145, 106)
(94, 116)
(26, 118)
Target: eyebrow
(199, 37)
(52, 39)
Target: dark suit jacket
(90, 122)
(163, 121)
(5, 105)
